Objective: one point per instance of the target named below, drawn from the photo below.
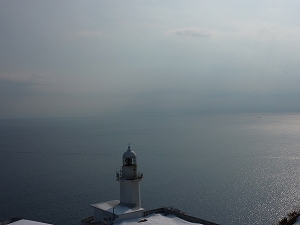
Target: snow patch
(155, 219)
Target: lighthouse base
(112, 211)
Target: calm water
(230, 169)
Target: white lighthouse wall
(130, 193)
(102, 216)
(129, 216)
(129, 171)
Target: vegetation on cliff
(290, 219)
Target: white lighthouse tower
(129, 179)
(129, 205)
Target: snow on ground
(155, 219)
(28, 222)
(115, 207)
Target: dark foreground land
(290, 219)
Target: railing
(119, 176)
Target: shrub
(291, 219)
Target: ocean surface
(229, 169)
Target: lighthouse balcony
(120, 176)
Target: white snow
(106, 205)
(114, 207)
(155, 219)
(28, 222)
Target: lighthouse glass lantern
(129, 161)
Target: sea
(229, 169)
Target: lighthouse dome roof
(129, 153)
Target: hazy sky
(89, 58)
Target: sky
(89, 58)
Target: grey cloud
(20, 84)
(191, 32)
(61, 59)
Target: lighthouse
(129, 179)
(129, 205)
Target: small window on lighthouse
(129, 161)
